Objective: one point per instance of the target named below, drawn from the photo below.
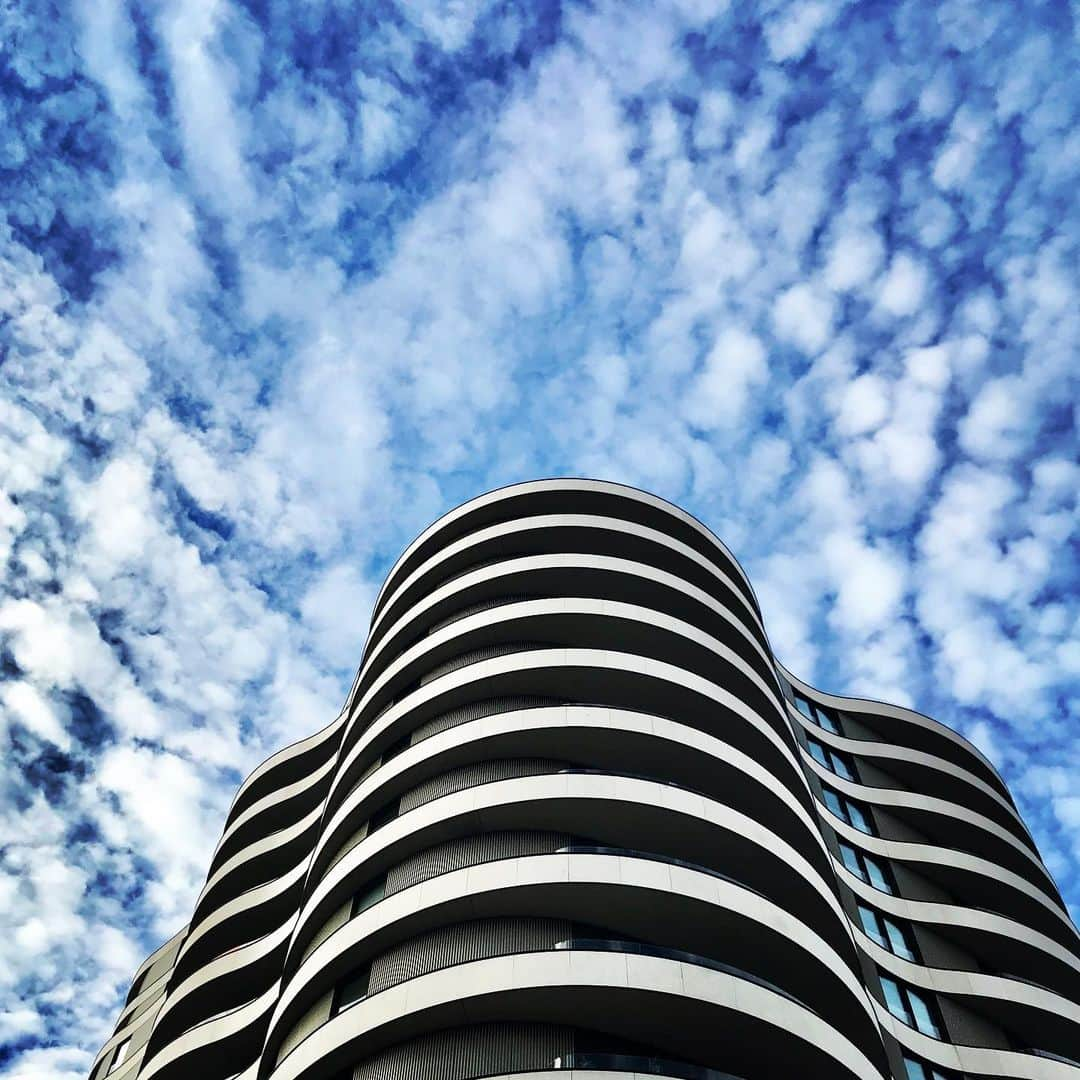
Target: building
(575, 816)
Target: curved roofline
(554, 483)
(841, 699)
(551, 483)
(614, 487)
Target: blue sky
(281, 282)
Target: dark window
(846, 810)
(370, 894)
(920, 1070)
(888, 933)
(912, 1007)
(817, 714)
(352, 988)
(121, 1055)
(396, 748)
(867, 868)
(833, 760)
(383, 815)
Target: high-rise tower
(574, 816)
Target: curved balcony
(521, 501)
(563, 825)
(927, 774)
(286, 766)
(224, 984)
(905, 726)
(977, 1060)
(952, 825)
(563, 576)
(582, 736)
(968, 877)
(593, 676)
(635, 893)
(267, 858)
(714, 1016)
(247, 916)
(1005, 944)
(615, 810)
(1035, 1015)
(216, 1046)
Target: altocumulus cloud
(279, 283)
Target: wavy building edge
(575, 817)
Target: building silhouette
(575, 816)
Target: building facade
(576, 818)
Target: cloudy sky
(280, 282)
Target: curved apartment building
(576, 818)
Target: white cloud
(734, 368)
(869, 581)
(903, 287)
(864, 406)
(995, 420)
(853, 259)
(789, 35)
(26, 706)
(335, 610)
(803, 317)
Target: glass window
(923, 1011)
(909, 1005)
(353, 989)
(866, 868)
(887, 932)
(901, 940)
(816, 714)
(847, 810)
(857, 818)
(383, 815)
(121, 1055)
(877, 875)
(818, 752)
(372, 893)
(841, 765)
(919, 1070)
(871, 925)
(833, 760)
(851, 859)
(895, 1001)
(828, 721)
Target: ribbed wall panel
(482, 605)
(468, 776)
(348, 845)
(474, 940)
(476, 710)
(467, 1053)
(471, 851)
(337, 920)
(751, 957)
(314, 1018)
(474, 656)
(369, 771)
